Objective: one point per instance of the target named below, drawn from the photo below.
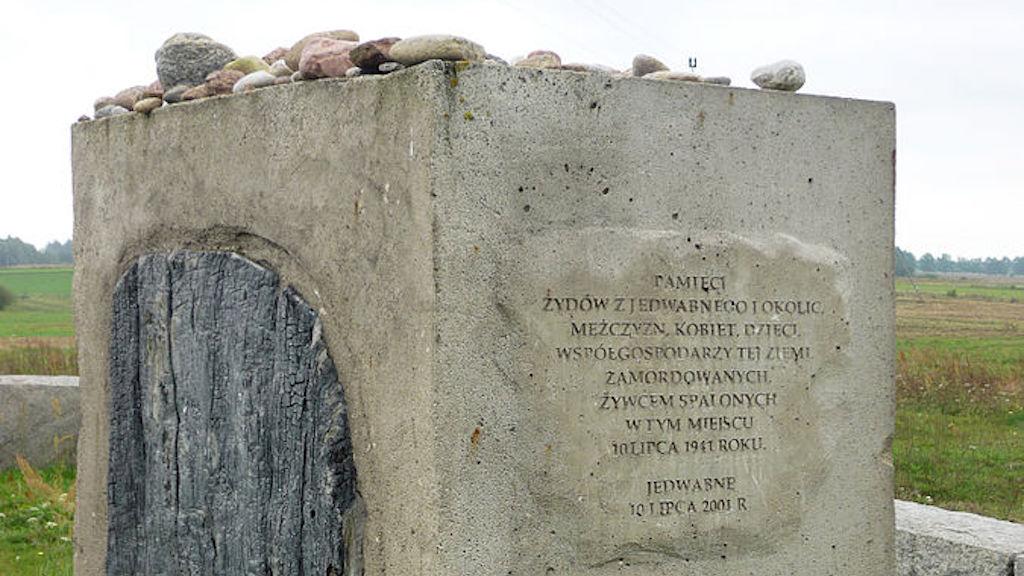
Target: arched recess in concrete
(230, 451)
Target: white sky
(953, 68)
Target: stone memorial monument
(487, 321)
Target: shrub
(6, 297)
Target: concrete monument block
(583, 325)
(39, 419)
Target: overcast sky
(953, 68)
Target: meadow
(959, 440)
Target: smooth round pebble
(719, 80)
(110, 110)
(678, 75)
(197, 93)
(222, 81)
(540, 59)
(644, 65)
(129, 96)
(173, 96)
(389, 67)
(580, 67)
(247, 64)
(785, 75)
(280, 68)
(154, 90)
(369, 55)
(276, 54)
(257, 79)
(102, 102)
(326, 58)
(295, 52)
(418, 49)
(147, 105)
(353, 72)
(297, 76)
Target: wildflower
(32, 520)
(33, 509)
(2, 515)
(65, 539)
(51, 524)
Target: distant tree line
(14, 252)
(908, 265)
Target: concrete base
(932, 541)
(39, 419)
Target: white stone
(257, 79)
(784, 75)
(673, 75)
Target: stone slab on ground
(39, 419)
(724, 408)
(931, 541)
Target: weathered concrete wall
(931, 541)
(427, 216)
(324, 183)
(39, 419)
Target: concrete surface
(931, 541)
(437, 218)
(39, 419)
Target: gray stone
(103, 102)
(187, 58)
(258, 79)
(175, 94)
(644, 64)
(678, 75)
(353, 72)
(418, 49)
(230, 446)
(448, 260)
(111, 110)
(932, 541)
(785, 75)
(719, 80)
(389, 67)
(39, 419)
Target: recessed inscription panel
(673, 388)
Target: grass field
(36, 519)
(960, 396)
(959, 421)
(36, 332)
(42, 306)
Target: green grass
(42, 305)
(963, 461)
(35, 529)
(960, 397)
(974, 289)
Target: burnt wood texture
(230, 451)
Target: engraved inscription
(678, 391)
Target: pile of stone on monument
(193, 66)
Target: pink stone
(326, 58)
